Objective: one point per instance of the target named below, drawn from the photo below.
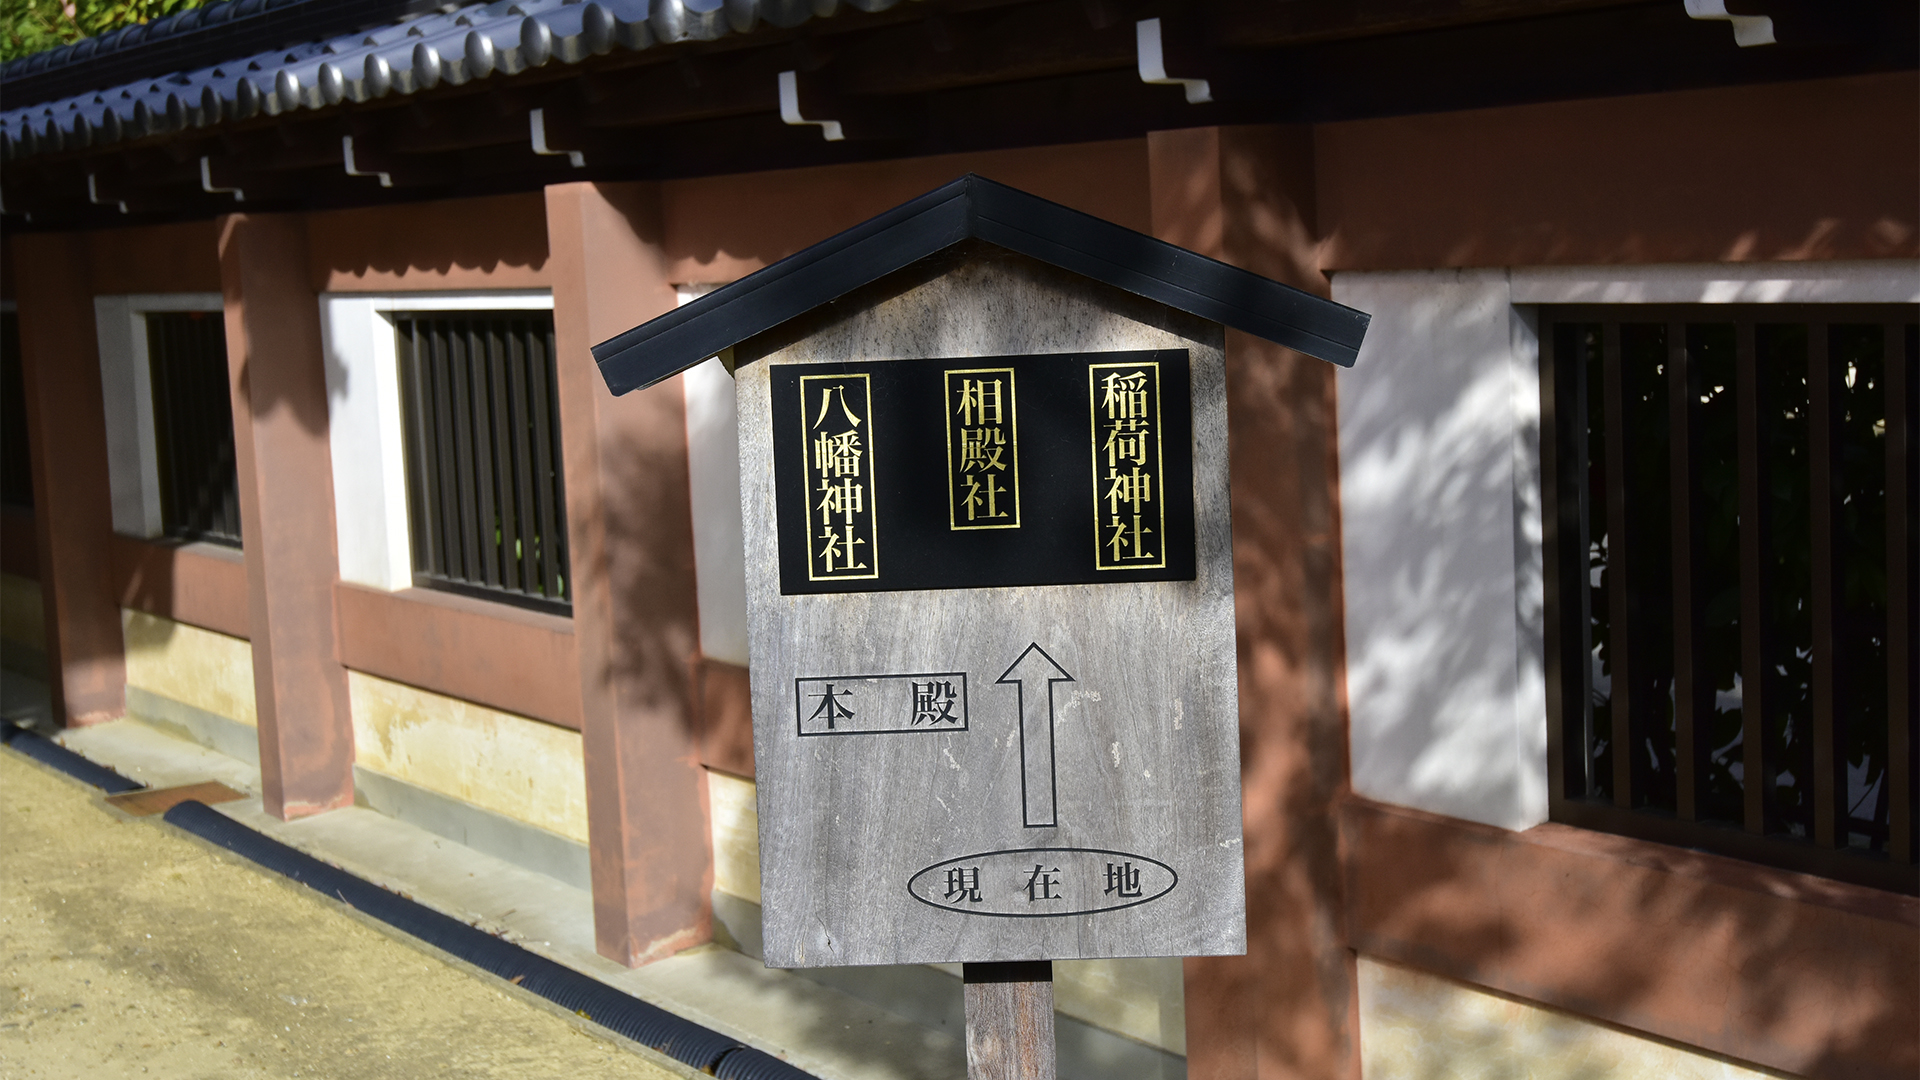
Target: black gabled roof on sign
(974, 207)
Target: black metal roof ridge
(974, 207)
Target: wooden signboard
(989, 578)
(991, 615)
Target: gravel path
(128, 948)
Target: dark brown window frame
(1563, 388)
(465, 468)
(16, 455)
(193, 426)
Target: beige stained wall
(21, 618)
(1142, 999)
(1413, 1024)
(209, 671)
(526, 769)
(736, 835)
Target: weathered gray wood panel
(1145, 736)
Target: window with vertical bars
(1731, 580)
(487, 509)
(193, 426)
(16, 467)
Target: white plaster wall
(1441, 511)
(369, 462)
(364, 425)
(719, 540)
(126, 383)
(1440, 501)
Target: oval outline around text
(1173, 875)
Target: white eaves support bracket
(1153, 63)
(93, 195)
(1748, 30)
(346, 150)
(790, 108)
(207, 183)
(537, 120)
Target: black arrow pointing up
(1039, 794)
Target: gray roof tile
(409, 56)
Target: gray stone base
(211, 730)
(517, 842)
(482, 830)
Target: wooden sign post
(1010, 1020)
(990, 591)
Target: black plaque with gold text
(984, 471)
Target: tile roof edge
(459, 44)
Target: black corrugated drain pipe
(648, 1025)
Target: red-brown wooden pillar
(630, 526)
(286, 513)
(73, 509)
(1245, 196)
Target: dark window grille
(486, 505)
(193, 426)
(1730, 537)
(16, 461)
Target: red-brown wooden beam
(73, 515)
(498, 655)
(630, 531)
(19, 551)
(201, 585)
(1798, 973)
(726, 717)
(285, 472)
(1286, 1009)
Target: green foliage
(31, 26)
